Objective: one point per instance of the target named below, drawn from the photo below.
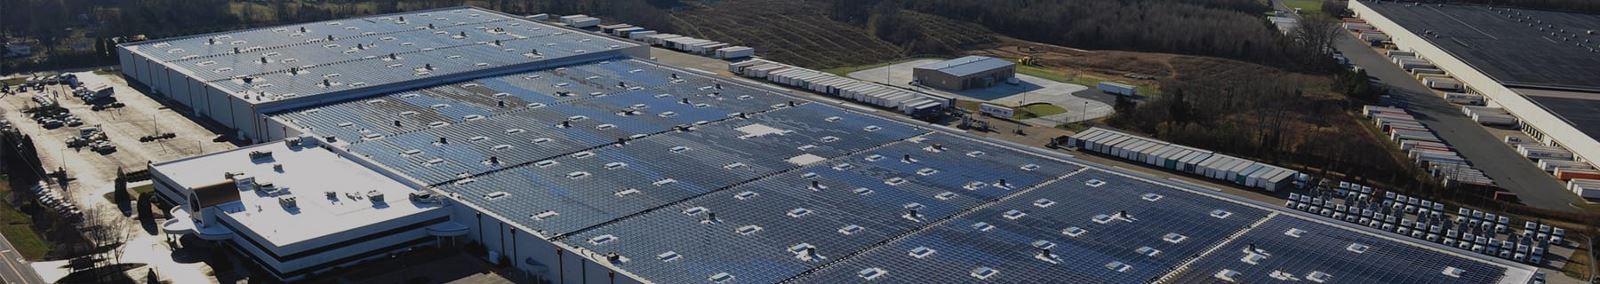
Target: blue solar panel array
(835, 208)
(212, 45)
(1006, 242)
(602, 184)
(688, 178)
(1297, 248)
(632, 95)
(283, 62)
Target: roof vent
(872, 273)
(748, 229)
(669, 256)
(913, 215)
(721, 277)
(1174, 238)
(1453, 272)
(1073, 231)
(1357, 248)
(983, 272)
(851, 229)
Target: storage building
(971, 72)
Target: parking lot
(140, 115)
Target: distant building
(964, 73)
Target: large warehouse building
(971, 72)
(1541, 66)
(231, 78)
(615, 169)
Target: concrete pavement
(14, 269)
(1509, 170)
(1029, 90)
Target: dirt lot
(93, 172)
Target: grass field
(18, 228)
(1037, 110)
(1305, 6)
(845, 71)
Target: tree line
(1234, 29)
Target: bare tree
(1315, 35)
(106, 231)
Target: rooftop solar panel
(635, 159)
(1288, 247)
(1082, 227)
(281, 63)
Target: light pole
(1085, 115)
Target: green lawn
(1037, 110)
(18, 228)
(1307, 7)
(1088, 81)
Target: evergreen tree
(120, 191)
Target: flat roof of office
(305, 173)
(968, 65)
(635, 158)
(1519, 48)
(309, 59)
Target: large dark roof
(1581, 110)
(1526, 48)
(730, 183)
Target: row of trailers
(1422, 145)
(1186, 159)
(905, 101)
(705, 47)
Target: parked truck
(1118, 89)
(1442, 83)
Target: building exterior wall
(948, 82)
(124, 62)
(936, 79)
(534, 257)
(1531, 115)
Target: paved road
(1484, 150)
(13, 269)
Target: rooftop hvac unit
(376, 196)
(288, 202)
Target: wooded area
(1224, 28)
(1266, 113)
